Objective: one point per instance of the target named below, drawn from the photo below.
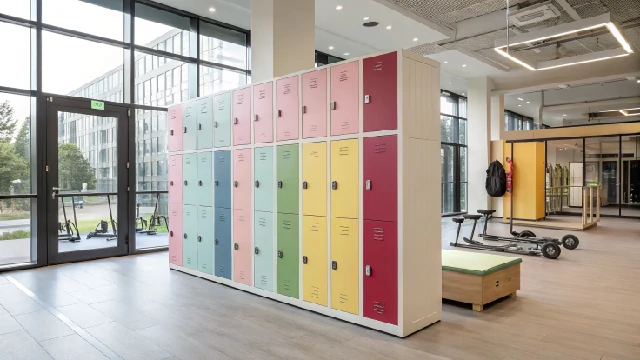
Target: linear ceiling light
(602, 21)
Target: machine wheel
(570, 242)
(89, 236)
(527, 234)
(551, 250)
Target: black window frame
(458, 147)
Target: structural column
(479, 130)
(282, 37)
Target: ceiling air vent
(534, 14)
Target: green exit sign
(97, 105)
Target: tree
(74, 169)
(23, 140)
(12, 167)
(7, 122)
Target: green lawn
(15, 216)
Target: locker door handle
(367, 270)
(305, 185)
(257, 183)
(171, 132)
(333, 105)
(334, 185)
(184, 235)
(279, 113)
(334, 265)
(235, 120)
(236, 246)
(304, 109)
(184, 129)
(367, 99)
(171, 233)
(215, 241)
(280, 254)
(199, 238)
(255, 117)
(367, 185)
(170, 183)
(235, 184)
(199, 126)
(256, 251)
(185, 183)
(199, 182)
(305, 260)
(216, 182)
(215, 124)
(280, 184)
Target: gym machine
(67, 228)
(102, 229)
(155, 220)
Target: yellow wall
(528, 181)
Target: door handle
(334, 185)
(199, 238)
(368, 185)
(367, 270)
(257, 183)
(54, 192)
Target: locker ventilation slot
(315, 292)
(378, 234)
(378, 307)
(287, 285)
(344, 298)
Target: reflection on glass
(152, 216)
(160, 81)
(95, 17)
(213, 80)
(15, 70)
(448, 105)
(219, 45)
(152, 137)
(631, 176)
(17, 8)
(603, 152)
(564, 167)
(154, 26)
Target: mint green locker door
(189, 126)
(288, 254)
(263, 250)
(205, 179)
(287, 179)
(204, 119)
(205, 239)
(222, 120)
(190, 179)
(263, 174)
(190, 237)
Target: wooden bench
(479, 278)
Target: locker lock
(280, 184)
(367, 99)
(215, 241)
(235, 184)
(257, 183)
(305, 260)
(235, 246)
(304, 185)
(171, 132)
(333, 105)
(304, 109)
(280, 254)
(255, 117)
(185, 182)
(171, 183)
(184, 129)
(199, 126)
(256, 251)
(235, 120)
(367, 185)
(334, 185)
(279, 113)
(199, 238)
(334, 265)
(199, 182)
(215, 124)
(171, 233)
(216, 182)
(367, 270)
(184, 235)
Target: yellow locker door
(344, 265)
(314, 179)
(314, 260)
(344, 179)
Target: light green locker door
(204, 118)
(263, 250)
(189, 126)
(205, 239)
(205, 179)
(190, 237)
(263, 183)
(222, 120)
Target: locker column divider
(232, 195)
(299, 185)
(252, 207)
(360, 188)
(328, 182)
(400, 165)
(274, 149)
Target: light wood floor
(582, 306)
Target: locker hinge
(127, 164)
(46, 168)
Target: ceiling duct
(534, 14)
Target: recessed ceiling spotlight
(464, 65)
(366, 18)
(563, 115)
(415, 39)
(463, 94)
(346, 54)
(212, 9)
(521, 99)
(339, 7)
(638, 81)
(330, 47)
(446, 62)
(388, 27)
(528, 102)
(519, 104)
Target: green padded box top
(475, 263)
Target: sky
(68, 63)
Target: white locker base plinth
(355, 319)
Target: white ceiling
(462, 65)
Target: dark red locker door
(380, 272)
(380, 90)
(380, 178)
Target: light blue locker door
(189, 126)
(205, 239)
(222, 178)
(205, 179)
(190, 237)
(222, 119)
(205, 123)
(190, 179)
(264, 257)
(263, 183)
(222, 243)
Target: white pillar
(282, 37)
(479, 130)
(497, 115)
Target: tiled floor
(582, 306)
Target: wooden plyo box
(480, 289)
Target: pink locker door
(175, 179)
(344, 102)
(175, 233)
(314, 104)
(242, 116)
(242, 248)
(175, 128)
(287, 109)
(242, 184)
(263, 113)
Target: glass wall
(630, 182)
(515, 121)
(453, 132)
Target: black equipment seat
(486, 212)
(472, 216)
(458, 220)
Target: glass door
(87, 180)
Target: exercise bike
(569, 242)
(154, 221)
(67, 228)
(549, 249)
(102, 229)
